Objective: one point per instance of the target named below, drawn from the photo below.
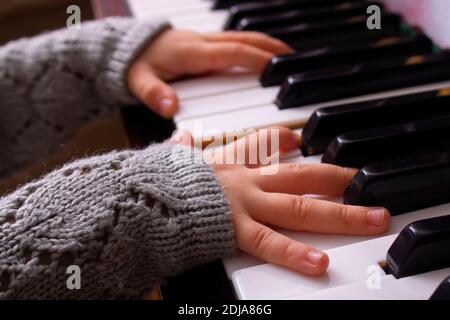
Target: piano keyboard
(395, 68)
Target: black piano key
(327, 123)
(443, 291)
(348, 38)
(280, 67)
(225, 4)
(360, 148)
(284, 19)
(239, 12)
(360, 79)
(421, 247)
(402, 185)
(306, 32)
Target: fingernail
(165, 106)
(376, 217)
(314, 256)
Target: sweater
(124, 221)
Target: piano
(377, 100)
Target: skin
(259, 202)
(175, 54)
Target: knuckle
(296, 169)
(215, 59)
(301, 208)
(249, 38)
(182, 47)
(236, 36)
(351, 216)
(152, 90)
(288, 249)
(237, 48)
(345, 215)
(292, 167)
(262, 239)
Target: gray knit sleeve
(126, 219)
(52, 84)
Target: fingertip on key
(377, 217)
(318, 260)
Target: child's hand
(260, 201)
(178, 53)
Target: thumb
(155, 93)
(182, 137)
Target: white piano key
(237, 120)
(153, 5)
(242, 270)
(215, 84)
(200, 22)
(202, 16)
(195, 15)
(273, 282)
(262, 116)
(418, 287)
(168, 8)
(199, 26)
(225, 102)
(324, 242)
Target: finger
(155, 93)
(306, 214)
(265, 243)
(219, 56)
(298, 179)
(182, 137)
(257, 148)
(255, 39)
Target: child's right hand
(260, 201)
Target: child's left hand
(178, 53)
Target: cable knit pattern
(127, 219)
(52, 84)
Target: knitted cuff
(198, 227)
(128, 219)
(133, 37)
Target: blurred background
(433, 16)
(20, 18)
(23, 18)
